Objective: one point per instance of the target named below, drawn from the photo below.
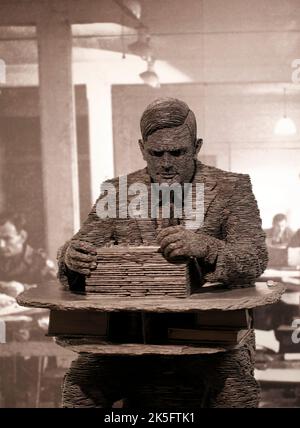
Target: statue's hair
(167, 113)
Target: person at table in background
(294, 253)
(280, 234)
(20, 264)
(295, 240)
(21, 267)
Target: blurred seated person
(294, 255)
(280, 234)
(20, 264)
(295, 240)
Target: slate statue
(229, 247)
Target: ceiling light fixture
(149, 76)
(134, 6)
(285, 125)
(142, 46)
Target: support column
(101, 136)
(2, 169)
(58, 136)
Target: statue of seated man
(228, 247)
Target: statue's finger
(174, 237)
(84, 246)
(167, 231)
(172, 247)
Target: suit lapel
(146, 226)
(203, 175)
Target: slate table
(209, 297)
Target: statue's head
(169, 145)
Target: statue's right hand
(81, 257)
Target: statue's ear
(142, 148)
(198, 146)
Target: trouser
(217, 380)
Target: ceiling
(208, 41)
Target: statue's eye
(178, 152)
(157, 153)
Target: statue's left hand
(176, 241)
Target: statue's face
(170, 154)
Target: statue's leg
(165, 382)
(232, 382)
(221, 380)
(92, 381)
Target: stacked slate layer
(138, 271)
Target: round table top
(210, 297)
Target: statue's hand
(176, 241)
(81, 257)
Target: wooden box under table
(140, 271)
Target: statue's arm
(94, 232)
(241, 256)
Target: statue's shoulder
(219, 175)
(140, 175)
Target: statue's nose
(167, 161)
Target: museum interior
(75, 77)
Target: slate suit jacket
(237, 253)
